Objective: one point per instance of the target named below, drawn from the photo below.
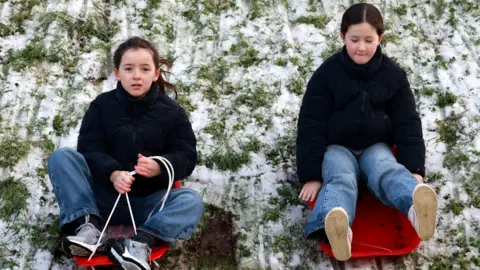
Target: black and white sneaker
(129, 254)
(83, 243)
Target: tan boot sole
(425, 205)
(336, 228)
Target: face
(137, 71)
(361, 41)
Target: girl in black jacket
(358, 104)
(120, 132)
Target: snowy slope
(241, 67)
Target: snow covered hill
(241, 67)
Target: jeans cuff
(77, 214)
(170, 241)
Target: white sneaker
(423, 213)
(339, 233)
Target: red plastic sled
(378, 230)
(103, 260)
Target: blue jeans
(387, 180)
(78, 195)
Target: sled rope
(373, 246)
(171, 177)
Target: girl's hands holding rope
(147, 167)
(121, 181)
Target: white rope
(104, 228)
(171, 177)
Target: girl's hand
(418, 177)
(147, 167)
(121, 181)
(310, 191)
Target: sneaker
(130, 254)
(339, 233)
(83, 243)
(423, 212)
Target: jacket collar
(127, 100)
(364, 70)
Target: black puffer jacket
(357, 106)
(117, 127)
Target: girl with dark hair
(119, 133)
(357, 105)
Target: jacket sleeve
(92, 144)
(312, 129)
(181, 149)
(407, 128)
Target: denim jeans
(387, 180)
(78, 195)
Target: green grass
(335, 47)
(258, 8)
(401, 10)
(446, 99)
(283, 243)
(448, 129)
(271, 214)
(231, 160)
(283, 152)
(186, 104)
(68, 118)
(6, 263)
(249, 58)
(390, 38)
(23, 11)
(218, 6)
(255, 98)
(319, 21)
(297, 86)
(33, 54)
(12, 147)
(281, 62)
(429, 91)
(215, 128)
(455, 207)
(45, 234)
(13, 197)
(455, 159)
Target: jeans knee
(194, 199)
(61, 154)
(339, 160)
(379, 152)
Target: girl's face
(137, 71)
(361, 41)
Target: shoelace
(87, 219)
(171, 176)
(85, 225)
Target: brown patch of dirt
(212, 245)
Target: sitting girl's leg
(177, 220)
(396, 187)
(335, 207)
(71, 182)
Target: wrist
(112, 175)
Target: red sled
(378, 230)
(103, 260)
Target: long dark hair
(360, 13)
(140, 43)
